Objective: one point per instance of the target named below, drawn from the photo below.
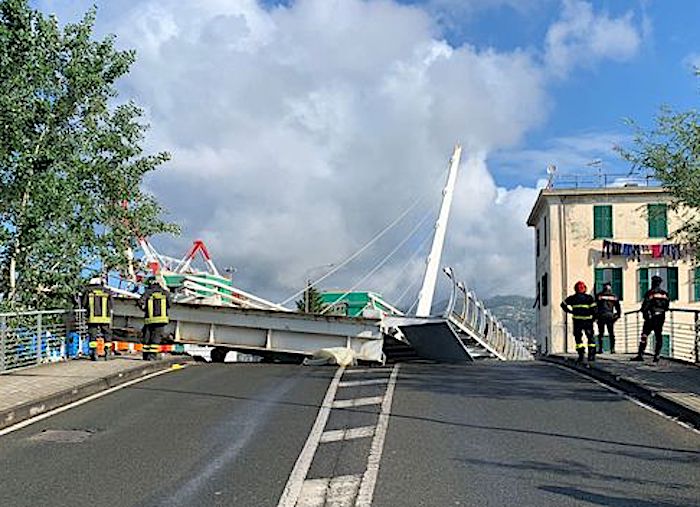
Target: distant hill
(515, 312)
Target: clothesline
(657, 251)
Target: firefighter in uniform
(155, 303)
(608, 312)
(654, 308)
(582, 307)
(98, 304)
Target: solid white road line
(347, 434)
(628, 397)
(358, 402)
(87, 399)
(301, 467)
(358, 383)
(369, 479)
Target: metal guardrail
(31, 338)
(681, 334)
(472, 317)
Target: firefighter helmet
(656, 281)
(580, 287)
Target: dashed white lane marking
(359, 383)
(87, 399)
(301, 467)
(628, 397)
(331, 492)
(369, 479)
(347, 434)
(358, 402)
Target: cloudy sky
(301, 128)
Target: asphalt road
(529, 434)
(479, 435)
(212, 434)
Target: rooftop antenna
(425, 297)
(598, 163)
(552, 172)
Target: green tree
(671, 150)
(71, 162)
(312, 297)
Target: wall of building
(572, 254)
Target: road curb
(638, 391)
(25, 411)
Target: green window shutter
(658, 220)
(617, 286)
(672, 283)
(643, 282)
(599, 279)
(602, 222)
(696, 283)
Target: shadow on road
(607, 500)
(571, 468)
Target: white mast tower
(425, 298)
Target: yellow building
(619, 235)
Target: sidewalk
(27, 392)
(671, 386)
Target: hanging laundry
(656, 251)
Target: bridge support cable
(416, 281)
(381, 263)
(366, 246)
(362, 249)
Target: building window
(545, 289)
(658, 223)
(612, 276)
(696, 284)
(544, 230)
(669, 284)
(538, 299)
(602, 222)
(537, 241)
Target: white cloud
(298, 132)
(583, 37)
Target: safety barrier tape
(121, 346)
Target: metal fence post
(3, 337)
(697, 337)
(38, 338)
(671, 336)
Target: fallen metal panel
(434, 339)
(263, 329)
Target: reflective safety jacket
(581, 306)
(608, 305)
(97, 301)
(156, 305)
(656, 302)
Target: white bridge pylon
(425, 297)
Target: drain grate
(63, 436)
